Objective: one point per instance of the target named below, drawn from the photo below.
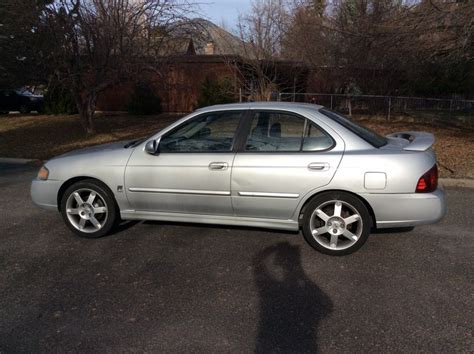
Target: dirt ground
(454, 144)
(42, 137)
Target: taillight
(428, 182)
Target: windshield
(24, 91)
(367, 134)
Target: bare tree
(442, 28)
(429, 45)
(261, 32)
(100, 43)
(386, 46)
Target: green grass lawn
(42, 137)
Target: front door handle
(218, 166)
(318, 166)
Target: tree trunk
(86, 106)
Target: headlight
(43, 174)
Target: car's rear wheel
(336, 223)
(89, 209)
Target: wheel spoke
(351, 219)
(337, 209)
(319, 231)
(95, 222)
(349, 235)
(336, 224)
(82, 223)
(100, 210)
(78, 198)
(322, 215)
(91, 198)
(333, 242)
(86, 210)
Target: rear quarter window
(373, 138)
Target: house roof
(177, 46)
(204, 32)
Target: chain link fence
(390, 106)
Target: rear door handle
(218, 166)
(318, 166)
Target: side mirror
(151, 146)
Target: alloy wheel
(336, 225)
(86, 210)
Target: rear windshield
(367, 134)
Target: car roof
(290, 106)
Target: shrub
(59, 100)
(144, 100)
(216, 92)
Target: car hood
(96, 161)
(120, 145)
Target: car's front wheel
(336, 223)
(89, 209)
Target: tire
(89, 209)
(24, 109)
(336, 223)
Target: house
(200, 50)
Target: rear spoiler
(417, 141)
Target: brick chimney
(209, 49)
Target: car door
(15, 101)
(191, 171)
(285, 156)
(7, 99)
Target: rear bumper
(402, 210)
(45, 193)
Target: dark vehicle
(20, 100)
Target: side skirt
(278, 224)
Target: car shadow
(124, 225)
(291, 305)
(392, 230)
(218, 226)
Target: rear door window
(285, 132)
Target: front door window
(212, 132)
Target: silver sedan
(272, 165)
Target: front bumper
(403, 210)
(45, 193)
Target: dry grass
(454, 144)
(41, 137)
